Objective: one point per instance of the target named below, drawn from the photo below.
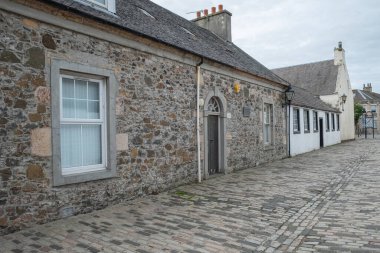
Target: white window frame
(296, 116)
(327, 115)
(62, 67)
(332, 122)
(338, 122)
(315, 121)
(306, 124)
(109, 5)
(268, 125)
(100, 4)
(101, 121)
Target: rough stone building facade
(146, 94)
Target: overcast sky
(281, 33)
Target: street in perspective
(149, 126)
(322, 201)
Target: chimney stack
(218, 22)
(339, 54)
(367, 87)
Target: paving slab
(323, 201)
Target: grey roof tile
(167, 27)
(318, 77)
(361, 96)
(304, 98)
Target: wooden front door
(213, 144)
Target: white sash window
(268, 123)
(82, 125)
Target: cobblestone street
(323, 201)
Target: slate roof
(362, 97)
(318, 78)
(171, 29)
(304, 98)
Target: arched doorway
(213, 135)
(214, 129)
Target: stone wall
(244, 135)
(155, 109)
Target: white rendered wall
(343, 86)
(306, 142)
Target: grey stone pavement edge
(324, 201)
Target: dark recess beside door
(321, 131)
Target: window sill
(316, 131)
(83, 177)
(268, 147)
(296, 132)
(307, 132)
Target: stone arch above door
(209, 110)
(215, 92)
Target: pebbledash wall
(155, 111)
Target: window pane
(81, 109)
(93, 91)
(67, 88)
(93, 110)
(71, 155)
(68, 108)
(80, 89)
(101, 1)
(92, 146)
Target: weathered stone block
(11, 162)
(42, 95)
(36, 58)
(30, 23)
(41, 108)
(29, 187)
(137, 140)
(8, 56)
(38, 81)
(41, 142)
(164, 123)
(122, 142)
(148, 80)
(34, 172)
(48, 42)
(20, 104)
(134, 153)
(3, 222)
(151, 153)
(35, 117)
(5, 174)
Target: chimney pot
(340, 44)
(199, 14)
(218, 22)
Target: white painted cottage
(329, 80)
(313, 123)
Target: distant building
(330, 81)
(314, 124)
(370, 101)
